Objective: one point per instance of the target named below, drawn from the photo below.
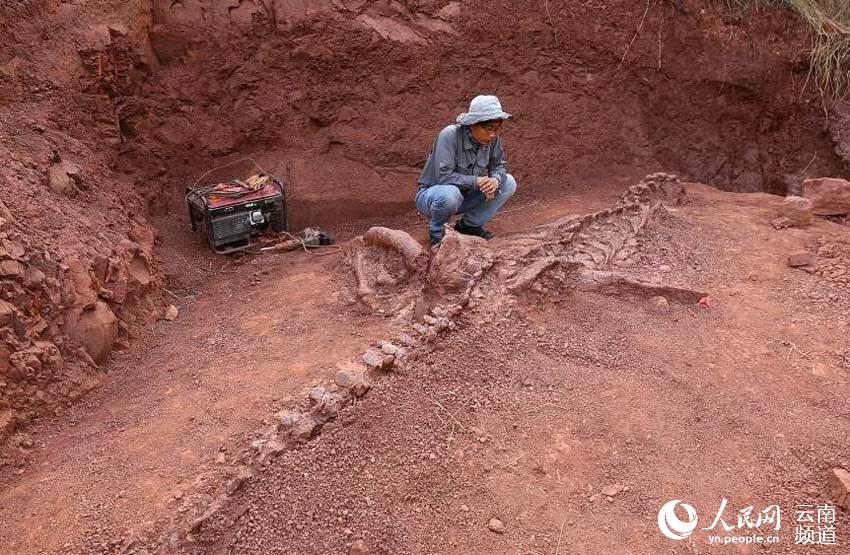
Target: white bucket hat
(483, 108)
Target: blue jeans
(441, 202)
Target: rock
(838, 481)
(304, 429)
(73, 171)
(33, 277)
(612, 490)
(800, 258)
(373, 359)
(11, 268)
(7, 425)
(94, 327)
(450, 11)
(798, 211)
(14, 248)
(356, 382)
(171, 313)
(325, 404)
(388, 362)
(388, 348)
(286, 420)
(345, 378)
(58, 180)
(5, 213)
(408, 340)
(829, 196)
(6, 218)
(358, 548)
(496, 525)
(664, 268)
(318, 394)
(7, 310)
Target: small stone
(356, 382)
(5, 216)
(171, 313)
(286, 420)
(612, 490)
(6, 312)
(358, 548)
(345, 378)
(388, 348)
(33, 277)
(609, 499)
(660, 301)
(73, 171)
(838, 481)
(800, 258)
(304, 429)
(373, 359)
(408, 340)
(496, 525)
(11, 268)
(318, 394)
(58, 180)
(664, 268)
(464, 508)
(8, 423)
(450, 11)
(594, 498)
(388, 362)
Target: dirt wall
(345, 97)
(77, 269)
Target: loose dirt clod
(496, 525)
(800, 258)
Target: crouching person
(466, 172)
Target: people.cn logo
(670, 524)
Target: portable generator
(234, 213)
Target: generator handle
(189, 209)
(281, 185)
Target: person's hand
(488, 186)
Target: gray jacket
(456, 160)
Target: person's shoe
(476, 231)
(435, 239)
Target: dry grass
(829, 21)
